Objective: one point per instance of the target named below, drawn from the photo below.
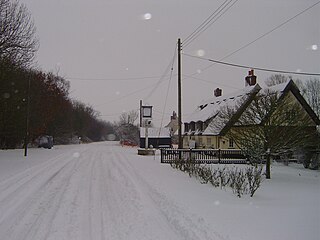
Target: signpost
(145, 121)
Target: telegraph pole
(179, 96)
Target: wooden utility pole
(179, 96)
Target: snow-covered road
(91, 192)
(105, 191)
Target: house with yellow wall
(204, 128)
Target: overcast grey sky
(114, 52)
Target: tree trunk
(268, 166)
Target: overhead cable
(207, 81)
(162, 78)
(223, 8)
(263, 35)
(113, 79)
(166, 99)
(125, 96)
(205, 22)
(256, 68)
(270, 31)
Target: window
(186, 127)
(231, 143)
(192, 126)
(199, 126)
(209, 141)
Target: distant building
(173, 126)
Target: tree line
(32, 100)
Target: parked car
(45, 141)
(128, 142)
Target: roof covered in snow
(208, 110)
(210, 107)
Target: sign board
(146, 111)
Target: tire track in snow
(26, 175)
(109, 200)
(15, 183)
(35, 216)
(141, 215)
(188, 225)
(72, 220)
(98, 196)
(96, 205)
(83, 214)
(19, 196)
(122, 213)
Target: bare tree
(18, 42)
(276, 79)
(126, 128)
(129, 117)
(311, 92)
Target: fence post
(219, 155)
(161, 151)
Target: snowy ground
(104, 191)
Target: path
(92, 192)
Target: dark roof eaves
(296, 92)
(241, 109)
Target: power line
(162, 78)
(223, 8)
(166, 99)
(256, 68)
(204, 22)
(161, 113)
(117, 114)
(113, 79)
(263, 35)
(207, 81)
(272, 30)
(125, 96)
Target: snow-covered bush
(238, 181)
(254, 178)
(204, 174)
(223, 177)
(215, 182)
(241, 181)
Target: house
(157, 137)
(204, 128)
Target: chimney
(174, 116)
(251, 79)
(217, 92)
